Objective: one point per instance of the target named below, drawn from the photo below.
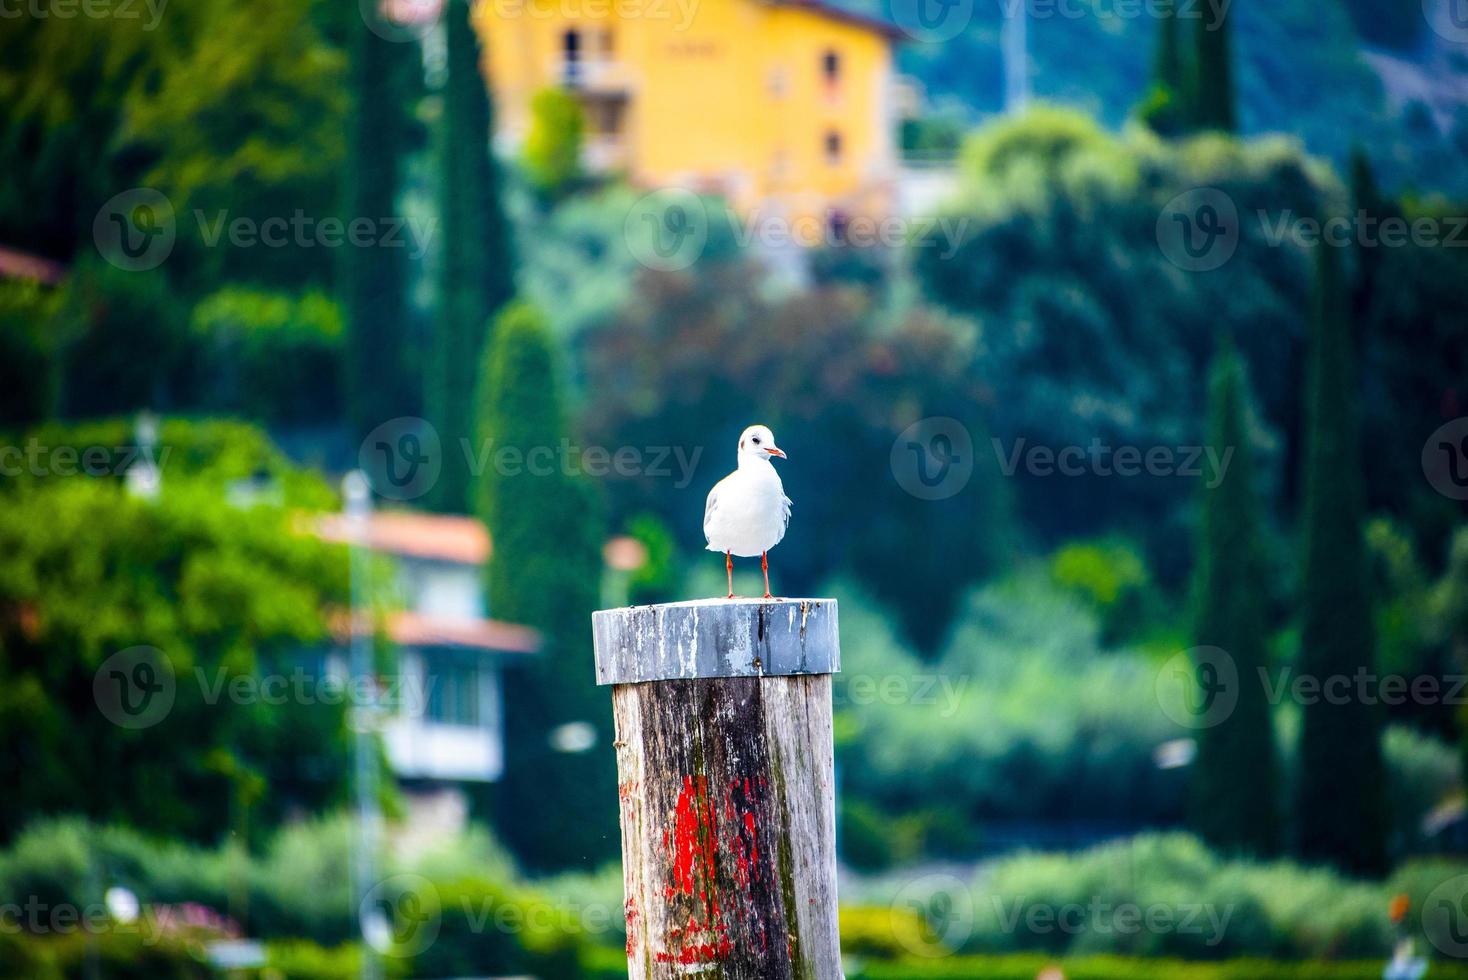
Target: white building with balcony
(446, 724)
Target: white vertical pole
(1015, 45)
(362, 717)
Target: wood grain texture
(728, 828)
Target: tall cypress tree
(1235, 782)
(554, 808)
(476, 268)
(1167, 68)
(1211, 97)
(380, 380)
(1164, 108)
(1340, 805)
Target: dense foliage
(476, 269)
(1340, 820)
(219, 590)
(1231, 596)
(555, 808)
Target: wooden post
(723, 720)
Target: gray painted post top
(716, 638)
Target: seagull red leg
(729, 569)
(764, 563)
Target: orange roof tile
(442, 537)
(413, 629)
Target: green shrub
(1213, 908)
(1024, 713)
(219, 452)
(552, 151)
(483, 929)
(1112, 578)
(115, 955)
(124, 342)
(299, 960)
(28, 376)
(271, 356)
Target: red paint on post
(697, 843)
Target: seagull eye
(756, 440)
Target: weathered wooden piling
(723, 720)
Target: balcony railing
(597, 75)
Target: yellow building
(784, 106)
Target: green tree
(555, 808)
(1235, 780)
(222, 592)
(552, 153)
(1340, 809)
(1211, 99)
(380, 368)
(1163, 108)
(476, 267)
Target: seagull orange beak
(775, 451)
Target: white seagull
(747, 511)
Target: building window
(454, 697)
(831, 68)
(833, 147)
(571, 57)
(606, 117)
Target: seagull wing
(785, 504)
(709, 507)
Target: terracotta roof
(441, 537)
(15, 264)
(417, 630)
(413, 629)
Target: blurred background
(351, 355)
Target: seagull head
(758, 442)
